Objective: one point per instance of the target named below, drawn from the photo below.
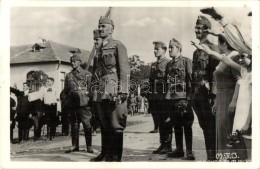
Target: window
(62, 79)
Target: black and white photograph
(105, 83)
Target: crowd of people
(216, 84)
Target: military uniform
(157, 88)
(132, 105)
(112, 74)
(203, 92)
(95, 105)
(178, 108)
(77, 84)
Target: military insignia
(111, 46)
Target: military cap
(160, 44)
(174, 42)
(202, 20)
(75, 57)
(106, 20)
(96, 33)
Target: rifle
(91, 56)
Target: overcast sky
(136, 27)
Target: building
(49, 57)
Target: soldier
(202, 88)
(96, 66)
(179, 112)
(132, 104)
(113, 91)
(77, 84)
(158, 88)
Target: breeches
(80, 114)
(113, 116)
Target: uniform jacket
(76, 80)
(203, 68)
(114, 69)
(178, 77)
(157, 79)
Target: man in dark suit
(24, 109)
(12, 117)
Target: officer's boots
(116, 149)
(104, 145)
(167, 145)
(88, 139)
(188, 140)
(74, 139)
(178, 152)
(158, 149)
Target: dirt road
(138, 145)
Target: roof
(48, 51)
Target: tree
(139, 71)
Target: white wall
(18, 73)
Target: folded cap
(105, 20)
(75, 57)
(174, 42)
(202, 20)
(96, 33)
(159, 44)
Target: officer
(94, 81)
(203, 93)
(178, 76)
(113, 76)
(77, 84)
(156, 96)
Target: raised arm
(225, 59)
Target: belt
(105, 71)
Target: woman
(225, 78)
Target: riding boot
(118, 147)
(188, 140)
(104, 148)
(167, 144)
(178, 152)
(88, 139)
(74, 139)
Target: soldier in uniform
(179, 111)
(203, 93)
(113, 91)
(94, 81)
(132, 104)
(77, 84)
(157, 93)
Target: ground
(138, 145)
